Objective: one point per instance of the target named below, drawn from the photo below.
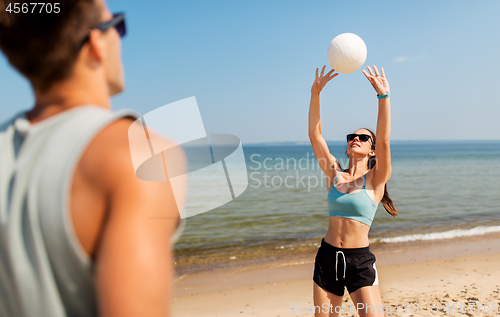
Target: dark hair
(386, 200)
(43, 46)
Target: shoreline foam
(293, 252)
(441, 273)
(448, 234)
(301, 263)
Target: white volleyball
(346, 53)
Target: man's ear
(96, 47)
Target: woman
(344, 259)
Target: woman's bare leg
(369, 300)
(324, 300)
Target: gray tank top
(44, 271)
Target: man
(80, 234)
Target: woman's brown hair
(386, 200)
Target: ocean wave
(480, 230)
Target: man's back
(57, 184)
(110, 236)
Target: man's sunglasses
(362, 137)
(118, 22)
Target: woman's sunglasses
(362, 137)
(118, 22)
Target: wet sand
(422, 278)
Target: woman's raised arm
(326, 160)
(382, 170)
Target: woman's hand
(320, 81)
(378, 82)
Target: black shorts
(336, 268)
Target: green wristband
(383, 96)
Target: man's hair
(44, 46)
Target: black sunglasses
(362, 137)
(118, 22)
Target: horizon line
(397, 141)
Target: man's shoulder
(108, 154)
(108, 158)
(4, 124)
(107, 165)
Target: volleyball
(346, 53)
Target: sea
(442, 190)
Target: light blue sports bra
(358, 206)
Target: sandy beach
(450, 277)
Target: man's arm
(133, 264)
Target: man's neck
(66, 95)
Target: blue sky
(251, 64)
